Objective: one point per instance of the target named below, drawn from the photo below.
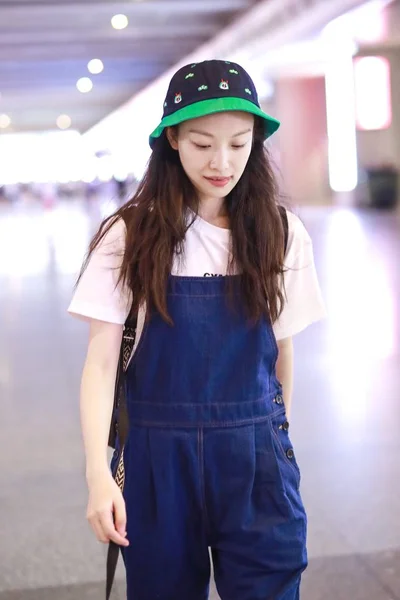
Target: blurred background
(81, 86)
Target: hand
(106, 511)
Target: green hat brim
(209, 107)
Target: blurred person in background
(219, 277)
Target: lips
(219, 181)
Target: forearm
(284, 371)
(97, 397)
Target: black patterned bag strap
(121, 433)
(128, 341)
(127, 345)
(126, 349)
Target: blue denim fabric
(208, 460)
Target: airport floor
(345, 421)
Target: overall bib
(208, 461)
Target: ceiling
(373, 26)
(382, 32)
(45, 46)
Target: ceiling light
(5, 121)
(95, 66)
(84, 85)
(119, 21)
(64, 122)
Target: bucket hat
(209, 87)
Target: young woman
(199, 255)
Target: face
(214, 151)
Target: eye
(200, 147)
(236, 147)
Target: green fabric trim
(215, 105)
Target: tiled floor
(345, 422)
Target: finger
(108, 527)
(98, 530)
(120, 516)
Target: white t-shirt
(207, 251)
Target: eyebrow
(211, 135)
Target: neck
(215, 213)
(213, 210)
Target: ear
(172, 136)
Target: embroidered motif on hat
(165, 104)
(189, 75)
(203, 87)
(248, 91)
(234, 71)
(178, 98)
(193, 65)
(224, 85)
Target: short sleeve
(303, 300)
(97, 296)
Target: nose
(220, 160)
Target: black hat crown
(208, 80)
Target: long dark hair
(156, 220)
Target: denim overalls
(208, 461)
